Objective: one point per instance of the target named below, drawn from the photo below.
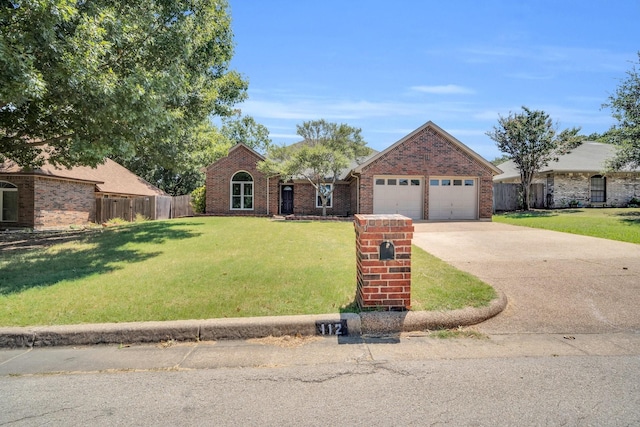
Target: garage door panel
(398, 195)
(453, 199)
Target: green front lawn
(206, 267)
(609, 223)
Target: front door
(286, 206)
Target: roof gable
(234, 151)
(430, 125)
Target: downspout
(357, 191)
(268, 196)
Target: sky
(388, 67)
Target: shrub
(199, 199)
(140, 218)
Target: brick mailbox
(383, 253)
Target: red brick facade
(383, 283)
(45, 202)
(428, 151)
(304, 199)
(242, 159)
(218, 184)
(59, 203)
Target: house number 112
(332, 328)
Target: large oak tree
(177, 170)
(85, 80)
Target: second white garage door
(453, 198)
(398, 195)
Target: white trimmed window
(8, 202)
(327, 189)
(242, 191)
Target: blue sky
(389, 67)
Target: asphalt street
(411, 379)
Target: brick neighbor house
(50, 197)
(578, 179)
(428, 174)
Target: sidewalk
(341, 324)
(307, 351)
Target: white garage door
(398, 195)
(453, 198)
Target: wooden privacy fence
(506, 197)
(150, 207)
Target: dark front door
(287, 200)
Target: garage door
(398, 195)
(453, 198)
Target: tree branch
(34, 142)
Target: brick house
(578, 179)
(50, 197)
(428, 174)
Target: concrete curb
(242, 328)
(395, 322)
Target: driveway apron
(555, 282)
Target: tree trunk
(526, 179)
(526, 190)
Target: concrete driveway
(555, 282)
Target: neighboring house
(50, 197)
(577, 178)
(428, 174)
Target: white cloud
(444, 89)
(311, 109)
(284, 135)
(559, 57)
(529, 76)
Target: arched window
(8, 202)
(242, 191)
(598, 189)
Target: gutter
(357, 177)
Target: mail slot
(387, 251)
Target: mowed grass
(206, 267)
(621, 224)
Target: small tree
(625, 104)
(327, 149)
(199, 199)
(531, 140)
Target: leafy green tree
(244, 129)
(178, 168)
(597, 137)
(327, 149)
(531, 140)
(500, 160)
(625, 105)
(85, 80)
